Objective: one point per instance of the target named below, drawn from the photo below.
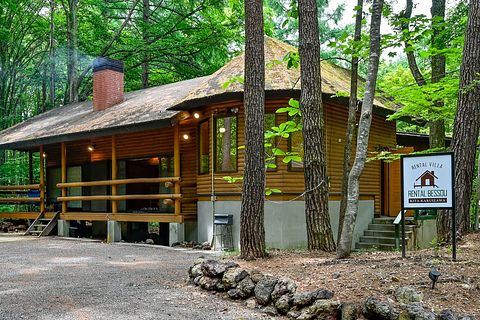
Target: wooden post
(30, 166)
(176, 166)
(63, 152)
(42, 180)
(114, 174)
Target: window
(203, 148)
(270, 143)
(226, 144)
(295, 144)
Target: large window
(295, 144)
(203, 148)
(226, 144)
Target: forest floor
(381, 273)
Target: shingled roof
(157, 107)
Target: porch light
(196, 115)
(91, 148)
(222, 130)
(186, 136)
(44, 155)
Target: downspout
(212, 198)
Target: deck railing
(170, 198)
(18, 194)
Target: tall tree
(438, 66)
(467, 118)
(352, 116)
(70, 8)
(51, 56)
(319, 232)
(145, 30)
(345, 245)
(252, 229)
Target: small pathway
(51, 278)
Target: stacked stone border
(277, 296)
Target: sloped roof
(279, 80)
(156, 107)
(141, 110)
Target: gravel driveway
(52, 278)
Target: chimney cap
(104, 63)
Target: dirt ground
(380, 273)
(50, 278)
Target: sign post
(428, 183)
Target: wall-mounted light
(222, 130)
(44, 155)
(185, 136)
(197, 115)
(91, 148)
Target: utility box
(223, 219)
(222, 231)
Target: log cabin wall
(291, 183)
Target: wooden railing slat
(20, 187)
(116, 182)
(121, 197)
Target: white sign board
(427, 181)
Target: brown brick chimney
(107, 83)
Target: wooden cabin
(161, 154)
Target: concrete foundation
(285, 226)
(63, 228)
(424, 233)
(177, 233)
(114, 231)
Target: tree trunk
(52, 54)
(146, 57)
(319, 231)
(72, 47)
(352, 117)
(345, 244)
(467, 119)
(252, 229)
(477, 212)
(437, 127)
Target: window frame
(199, 153)
(214, 141)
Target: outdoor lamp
(434, 274)
(185, 136)
(91, 148)
(196, 115)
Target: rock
(415, 311)
(197, 247)
(349, 311)
(336, 275)
(196, 281)
(230, 264)
(256, 275)
(195, 271)
(206, 246)
(251, 303)
(206, 243)
(283, 304)
(220, 286)
(395, 279)
(149, 241)
(321, 309)
(304, 298)
(446, 314)
(208, 283)
(198, 260)
(232, 276)
(381, 310)
(264, 289)
(293, 314)
(234, 293)
(246, 288)
(283, 286)
(176, 244)
(323, 294)
(408, 295)
(269, 310)
(213, 268)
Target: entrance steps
(42, 226)
(380, 235)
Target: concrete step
(384, 233)
(387, 227)
(379, 240)
(375, 246)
